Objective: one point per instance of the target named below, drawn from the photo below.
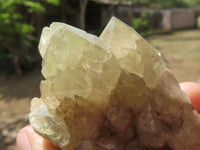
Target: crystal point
(135, 54)
(111, 92)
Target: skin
(193, 91)
(27, 139)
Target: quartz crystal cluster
(111, 92)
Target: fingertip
(23, 142)
(25, 129)
(193, 91)
(28, 139)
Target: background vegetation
(148, 23)
(21, 22)
(18, 33)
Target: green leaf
(6, 3)
(17, 16)
(4, 15)
(23, 29)
(5, 18)
(34, 7)
(53, 2)
(26, 28)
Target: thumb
(28, 139)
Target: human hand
(192, 89)
(27, 139)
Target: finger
(193, 91)
(27, 139)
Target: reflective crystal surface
(111, 92)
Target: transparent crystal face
(111, 92)
(134, 54)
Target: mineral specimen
(110, 93)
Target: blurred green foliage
(159, 3)
(198, 22)
(171, 3)
(148, 22)
(193, 3)
(16, 30)
(19, 24)
(140, 25)
(165, 3)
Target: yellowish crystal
(111, 92)
(133, 53)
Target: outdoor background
(171, 26)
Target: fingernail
(23, 142)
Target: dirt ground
(181, 51)
(15, 96)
